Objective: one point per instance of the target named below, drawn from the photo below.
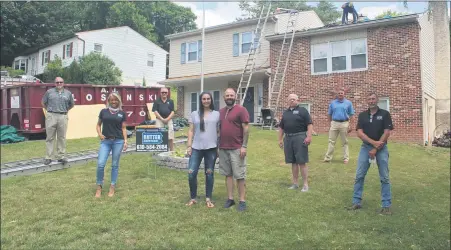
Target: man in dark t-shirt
(163, 108)
(297, 127)
(233, 138)
(373, 128)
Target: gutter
(84, 43)
(345, 28)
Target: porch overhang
(234, 75)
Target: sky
(225, 12)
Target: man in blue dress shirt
(340, 116)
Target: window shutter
(49, 56)
(71, 47)
(183, 53)
(199, 51)
(64, 51)
(42, 58)
(236, 44)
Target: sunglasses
(59, 82)
(164, 92)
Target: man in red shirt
(233, 138)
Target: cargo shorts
(231, 164)
(170, 124)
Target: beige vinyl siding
(427, 56)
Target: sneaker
(63, 160)
(304, 189)
(326, 160)
(354, 207)
(229, 203)
(345, 161)
(242, 206)
(47, 161)
(385, 211)
(294, 186)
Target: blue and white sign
(151, 140)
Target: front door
(249, 102)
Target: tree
(326, 11)
(99, 69)
(53, 69)
(390, 13)
(126, 13)
(73, 74)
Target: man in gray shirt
(57, 101)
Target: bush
(53, 69)
(13, 72)
(99, 69)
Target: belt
(61, 113)
(110, 138)
(294, 134)
(340, 120)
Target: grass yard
(58, 210)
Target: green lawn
(58, 210)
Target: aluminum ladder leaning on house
(282, 65)
(248, 70)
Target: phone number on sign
(152, 147)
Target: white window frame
(101, 47)
(308, 105)
(197, 99)
(241, 42)
(150, 59)
(386, 99)
(329, 57)
(46, 57)
(67, 52)
(188, 51)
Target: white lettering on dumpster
(88, 97)
(141, 97)
(103, 97)
(129, 97)
(129, 113)
(74, 98)
(142, 113)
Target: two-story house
(136, 56)
(405, 60)
(225, 52)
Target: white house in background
(225, 51)
(134, 54)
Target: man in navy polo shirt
(373, 128)
(340, 116)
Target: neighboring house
(225, 51)
(132, 53)
(399, 58)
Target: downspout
(84, 43)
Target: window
(68, 50)
(193, 102)
(98, 47)
(246, 42)
(384, 103)
(46, 57)
(191, 54)
(150, 60)
(358, 54)
(195, 98)
(305, 105)
(339, 56)
(320, 57)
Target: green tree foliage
(12, 72)
(73, 74)
(27, 25)
(53, 69)
(390, 13)
(99, 69)
(326, 11)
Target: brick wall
(393, 72)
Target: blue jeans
(346, 11)
(362, 168)
(106, 146)
(209, 156)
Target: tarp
(9, 135)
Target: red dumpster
(21, 104)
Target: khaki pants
(56, 125)
(170, 124)
(338, 128)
